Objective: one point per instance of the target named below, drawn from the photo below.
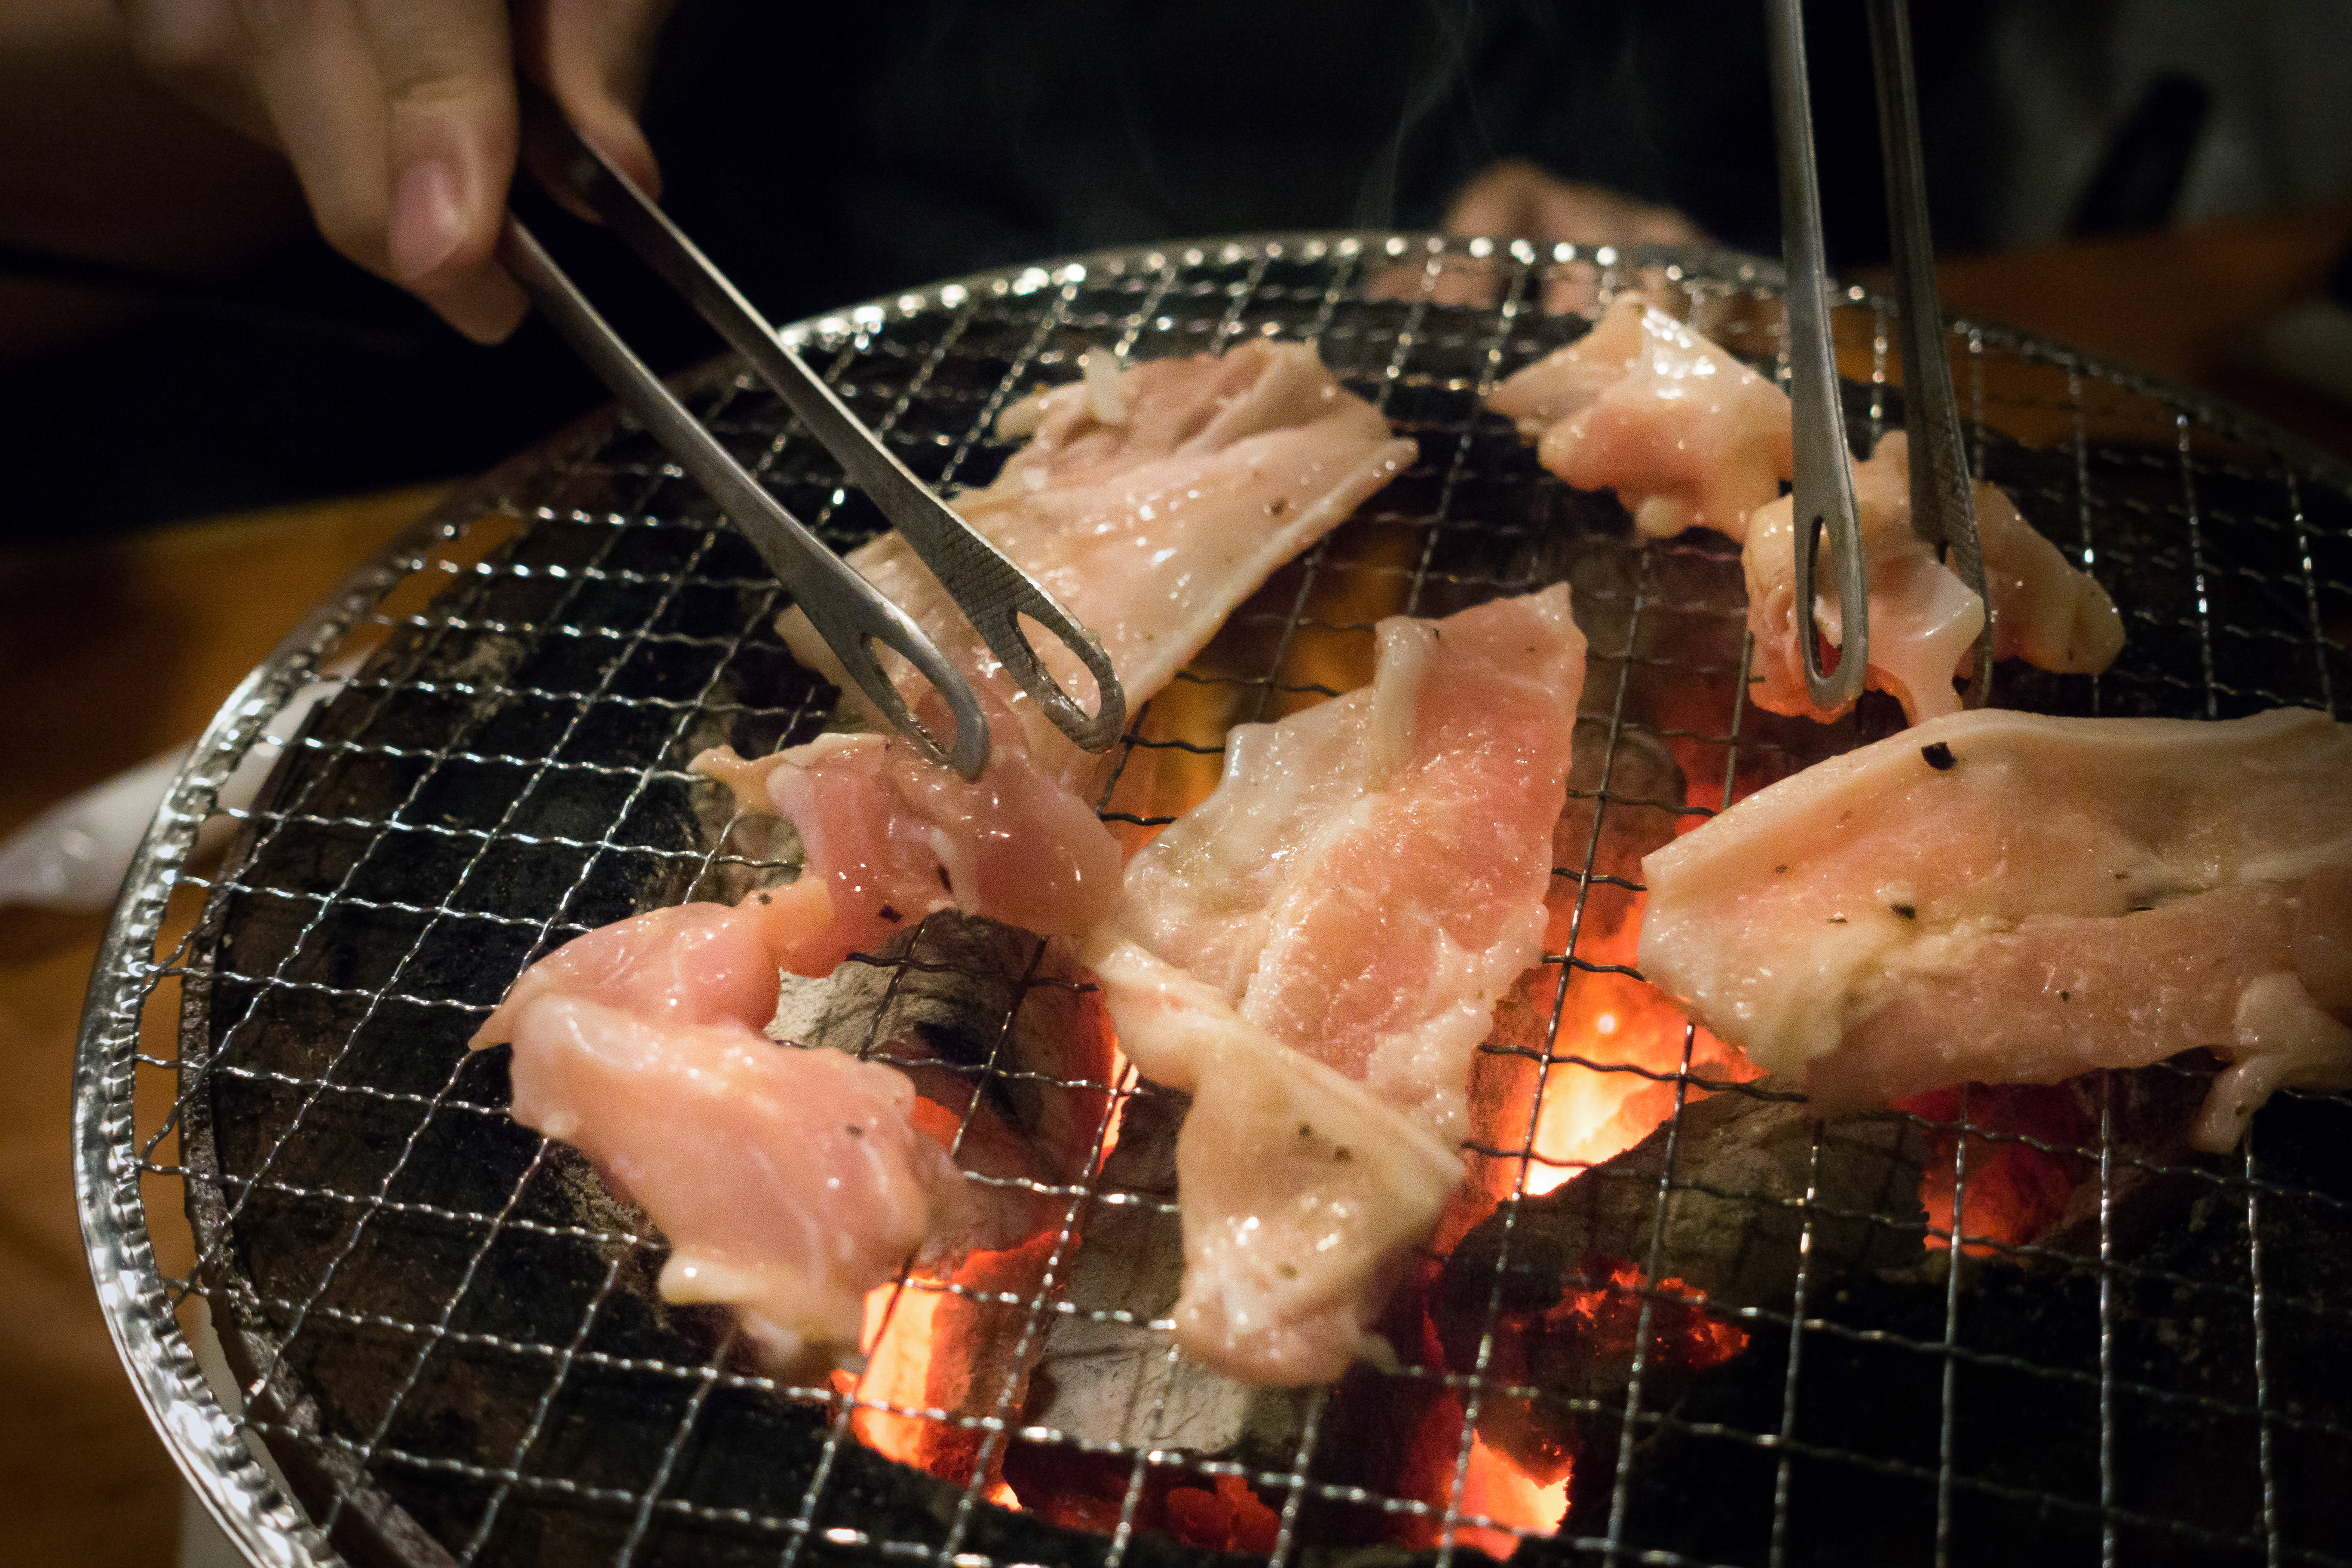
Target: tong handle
(1943, 511)
(1823, 481)
(993, 593)
(846, 609)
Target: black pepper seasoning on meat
(1940, 756)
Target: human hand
(1516, 200)
(399, 115)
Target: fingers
(315, 79)
(448, 84)
(595, 56)
(400, 126)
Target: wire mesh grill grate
(443, 1333)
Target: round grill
(442, 1340)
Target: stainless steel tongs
(1942, 513)
(846, 609)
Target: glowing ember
(2022, 1166)
(1228, 1516)
(1606, 1052)
(1498, 1490)
(933, 1352)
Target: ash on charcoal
(1644, 794)
(991, 1022)
(1107, 1374)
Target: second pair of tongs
(993, 593)
(1942, 513)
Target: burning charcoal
(1107, 1379)
(2154, 1175)
(1733, 1215)
(1569, 1290)
(2019, 1423)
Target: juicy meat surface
(1685, 434)
(1149, 505)
(1923, 619)
(1689, 437)
(1337, 920)
(1999, 898)
(788, 1181)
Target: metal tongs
(1942, 513)
(846, 609)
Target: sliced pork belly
(1688, 436)
(1302, 1190)
(1150, 503)
(2004, 898)
(1923, 619)
(1685, 434)
(789, 1181)
(1322, 942)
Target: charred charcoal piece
(2154, 1175)
(1734, 1212)
(1869, 1410)
(1567, 1270)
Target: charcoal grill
(441, 1343)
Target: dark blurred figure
(826, 154)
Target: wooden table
(115, 651)
(109, 654)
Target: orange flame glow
(1495, 1487)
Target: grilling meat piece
(1315, 951)
(1149, 505)
(1923, 619)
(789, 1181)
(1688, 436)
(1685, 434)
(2006, 898)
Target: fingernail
(426, 225)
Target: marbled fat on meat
(2001, 898)
(1315, 950)
(789, 1181)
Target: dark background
(828, 153)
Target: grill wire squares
(440, 1338)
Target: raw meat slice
(789, 1181)
(1149, 505)
(1302, 1190)
(2008, 897)
(1152, 503)
(1339, 918)
(1923, 619)
(1685, 434)
(1688, 436)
